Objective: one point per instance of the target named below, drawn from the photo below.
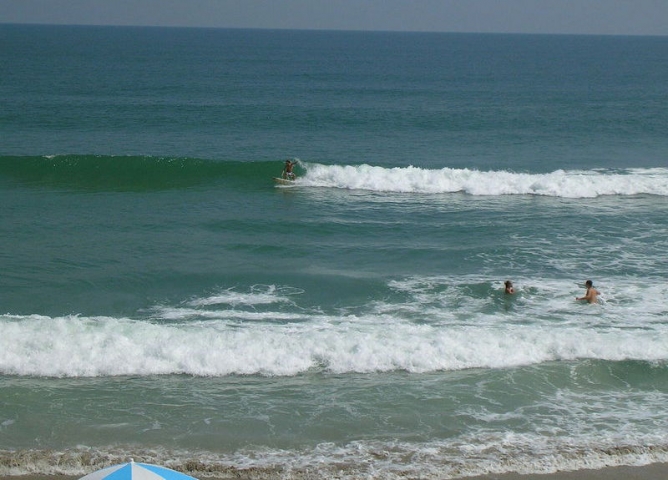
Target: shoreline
(654, 471)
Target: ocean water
(162, 299)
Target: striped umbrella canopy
(137, 471)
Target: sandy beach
(657, 471)
(647, 472)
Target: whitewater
(559, 183)
(438, 324)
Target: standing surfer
(287, 170)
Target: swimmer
(509, 287)
(591, 295)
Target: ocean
(162, 299)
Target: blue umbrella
(137, 471)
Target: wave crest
(560, 183)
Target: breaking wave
(560, 183)
(435, 324)
(146, 173)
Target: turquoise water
(163, 300)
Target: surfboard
(283, 181)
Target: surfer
(287, 170)
(509, 287)
(591, 295)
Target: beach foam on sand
(656, 471)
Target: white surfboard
(283, 181)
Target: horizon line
(352, 30)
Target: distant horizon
(549, 17)
(286, 29)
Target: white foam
(438, 325)
(459, 457)
(258, 295)
(560, 183)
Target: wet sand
(656, 471)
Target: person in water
(509, 287)
(591, 295)
(288, 174)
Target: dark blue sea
(163, 299)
